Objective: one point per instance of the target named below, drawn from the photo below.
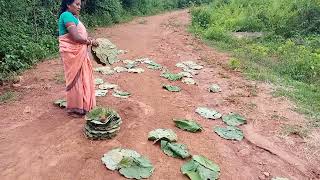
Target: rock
(27, 109)
(267, 174)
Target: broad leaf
(201, 168)
(100, 92)
(162, 134)
(171, 76)
(189, 81)
(106, 86)
(188, 125)
(174, 149)
(98, 81)
(129, 163)
(136, 70)
(214, 88)
(229, 132)
(208, 113)
(121, 94)
(234, 119)
(60, 103)
(172, 88)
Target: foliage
(29, 27)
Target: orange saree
(80, 93)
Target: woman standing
(73, 48)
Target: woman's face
(75, 7)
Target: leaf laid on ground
(106, 86)
(172, 88)
(131, 65)
(229, 132)
(279, 178)
(214, 88)
(121, 94)
(188, 125)
(98, 81)
(201, 168)
(152, 64)
(234, 119)
(208, 113)
(171, 76)
(100, 92)
(102, 115)
(129, 163)
(189, 81)
(186, 74)
(105, 70)
(174, 149)
(120, 69)
(60, 103)
(162, 134)
(136, 70)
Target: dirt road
(39, 141)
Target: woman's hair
(64, 5)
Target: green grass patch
(286, 55)
(8, 97)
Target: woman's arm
(72, 29)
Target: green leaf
(162, 134)
(214, 88)
(98, 81)
(100, 92)
(234, 119)
(172, 88)
(188, 125)
(172, 76)
(60, 103)
(121, 94)
(174, 149)
(129, 163)
(189, 81)
(229, 132)
(206, 162)
(208, 113)
(136, 70)
(201, 168)
(106, 52)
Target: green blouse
(66, 17)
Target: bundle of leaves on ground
(234, 119)
(98, 81)
(171, 88)
(174, 149)
(102, 123)
(101, 92)
(208, 113)
(201, 168)
(106, 52)
(229, 132)
(105, 70)
(129, 163)
(188, 125)
(162, 134)
(60, 103)
(171, 76)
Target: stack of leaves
(167, 138)
(201, 168)
(128, 162)
(171, 88)
(102, 123)
(208, 113)
(106, 52)
(60, 103)
(171, 76)
(188, 125)
(105, 70)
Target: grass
(8, 97)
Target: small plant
(234, 63)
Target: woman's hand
(94, 42)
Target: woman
(73, 48)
